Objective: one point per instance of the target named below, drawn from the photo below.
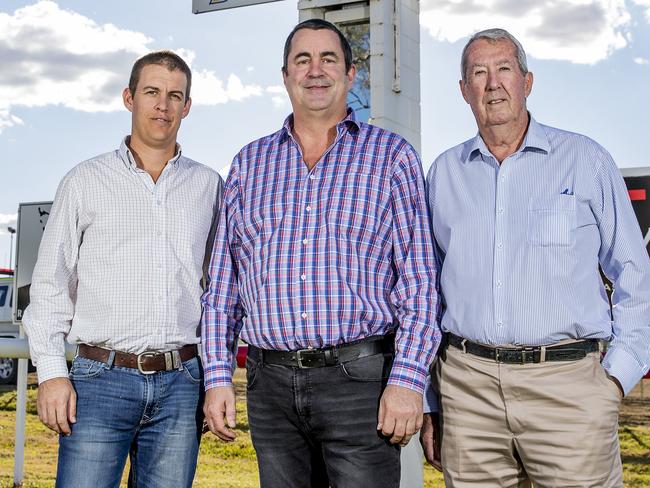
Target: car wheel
(8, 371)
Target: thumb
(231, 414)
(72, 408)
(380, 415)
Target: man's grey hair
(494, 35)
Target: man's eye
(504, 68)
(328, 60)
(302, 61)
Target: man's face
(495, 87)
(316, 80)
(157, 106)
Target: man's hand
(430, 439)
(219, 404)
(618, 384)
(56, 404)
(400, 414)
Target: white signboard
(32, 218)
(202, 6)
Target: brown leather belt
(148, 362)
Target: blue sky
(65, 63)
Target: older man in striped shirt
(324, 264)
(523, 215)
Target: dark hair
(169, 60)
(494, 35)
(318, 24)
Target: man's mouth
(496, 101)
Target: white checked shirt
(122, 259)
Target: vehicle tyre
(8, 371)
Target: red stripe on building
(637, 194)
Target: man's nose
(315, 68)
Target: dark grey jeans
(314, 428)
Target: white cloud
(7, 220)
(580, 31)
(279, 96)
(54, 56)
(641, 61)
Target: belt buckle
(144, 355)
(299, 354)
(524, 352)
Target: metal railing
(19, 349)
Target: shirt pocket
(551, 221)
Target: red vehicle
(242, 351)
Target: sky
(64, 63)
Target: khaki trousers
(505, 425)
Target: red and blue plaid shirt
(323, 257)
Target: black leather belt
(326, 356)
(522, 355)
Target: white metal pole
(21, 406)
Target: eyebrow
(152, 87)
(322, 54)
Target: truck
(8, 366)
(14, 284)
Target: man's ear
(128, 99)
(462, 87)
(186, 108)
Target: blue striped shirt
(323, 257)
(521, 243)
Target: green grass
(233, 465)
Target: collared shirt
(521, 244)
(121, 262)
(323, 257)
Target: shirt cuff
(217, 374)
(430, 398)
(408, 374)
(621, 365)
(49, 367)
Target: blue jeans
(155, 419)
(317, 428)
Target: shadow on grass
(638, 459)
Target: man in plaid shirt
(324, 264)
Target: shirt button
(158, 202)
(500, 210)
(308, 208)
(499, 324)
(500, 245)
(303, 277)
(304, 315)
(499, 283)
(305, 241)
(312, 177)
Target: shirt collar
(350, 122)
(535, 140)
(129, 160)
